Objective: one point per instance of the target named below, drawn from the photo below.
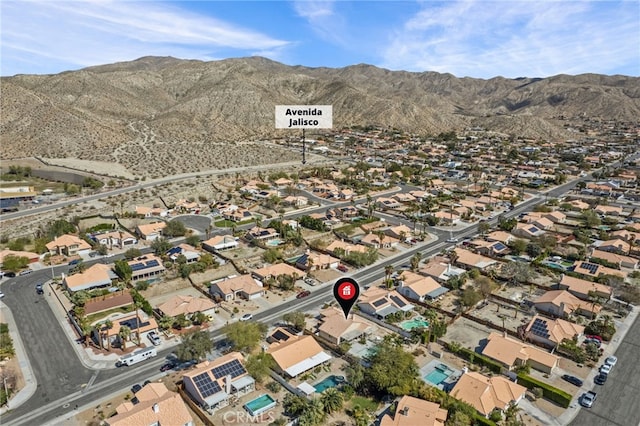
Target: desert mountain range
(162, 115)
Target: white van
(137, 356)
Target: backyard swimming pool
(414, 323)
(329, 382)
(260, 404)
(438, 375)
(274, 242)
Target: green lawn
(100, 315)
(367, 403)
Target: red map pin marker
(346, 292)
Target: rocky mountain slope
(167, 114)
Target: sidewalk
(570, 413)
(30, 383)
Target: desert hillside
(157, 116)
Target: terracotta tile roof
(412, 411)
(583, 286)
(509, 351)
(558, 329)
(97, 275)
(185, 305)
(157, 405)
(294, 350)
(244, 283)
(68, 240)
(420, 284)
(571, 302)
(487, 393)
(276, 270)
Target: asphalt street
(618, 401)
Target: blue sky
(474, 38)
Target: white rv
(137, 356)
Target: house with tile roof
(486, 394)
(616, 245)
(187, 306)
(68, 245)
(584, 289)
(469, 259)
(135, 321)
(419, 287)
(232, 288)
(212, 384)
(620, 260)
(148, 267)
(275, 270)
(441, 270)
(412, 411)
(112, 239)
(512, 353)
(297, 355)
(32, 257)
(527, 230)
(594, 270)
(561, 303)
(549, 332)
(150, 231)
(373, 240)
(335, 328)
(220, 242)
(380, 302)
(347, 248)
(156, 406)
(312, 261)
(95, 276)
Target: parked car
(612, 360)
(596, 342)
(605, 369)
(1, 295)
(168, 366)
(600, 379)
(10, 274)
(303, 294)
(25, 272)
(74, 262)
(154, 338)
(572, 379)
(1, 274)
(593, 337)
(246, 317)
(343, 268)
(588, 398)
(39, 288)
(135, 388)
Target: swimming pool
(414, 323)
(438, 375)
(329, 382)
(260, 404)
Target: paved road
(618, 400)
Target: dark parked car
(600, 379)
(10, 274)
(572, 379)
(343, 268)
(74, 262)
(303, 294)
(168, 366)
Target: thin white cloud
(485, 39)
(83, 33)
(323, 19)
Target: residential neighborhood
(488, 273)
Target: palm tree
(380, 236)
(331, 400)
(415, 262)
(388, 270)
(124, 334)
(360, 416)
(108, 325)
(314, 414)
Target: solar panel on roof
(137, 267)
(206, 385)
(539, 328)
(499, 246)
(153, 263)
(233, 368)
(379, 302)
(174, 250)
(398, 301)
(533, 229)
(279, 335)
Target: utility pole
(304, 148)
(6, 391)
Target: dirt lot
(467, 333)
(501, 313)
